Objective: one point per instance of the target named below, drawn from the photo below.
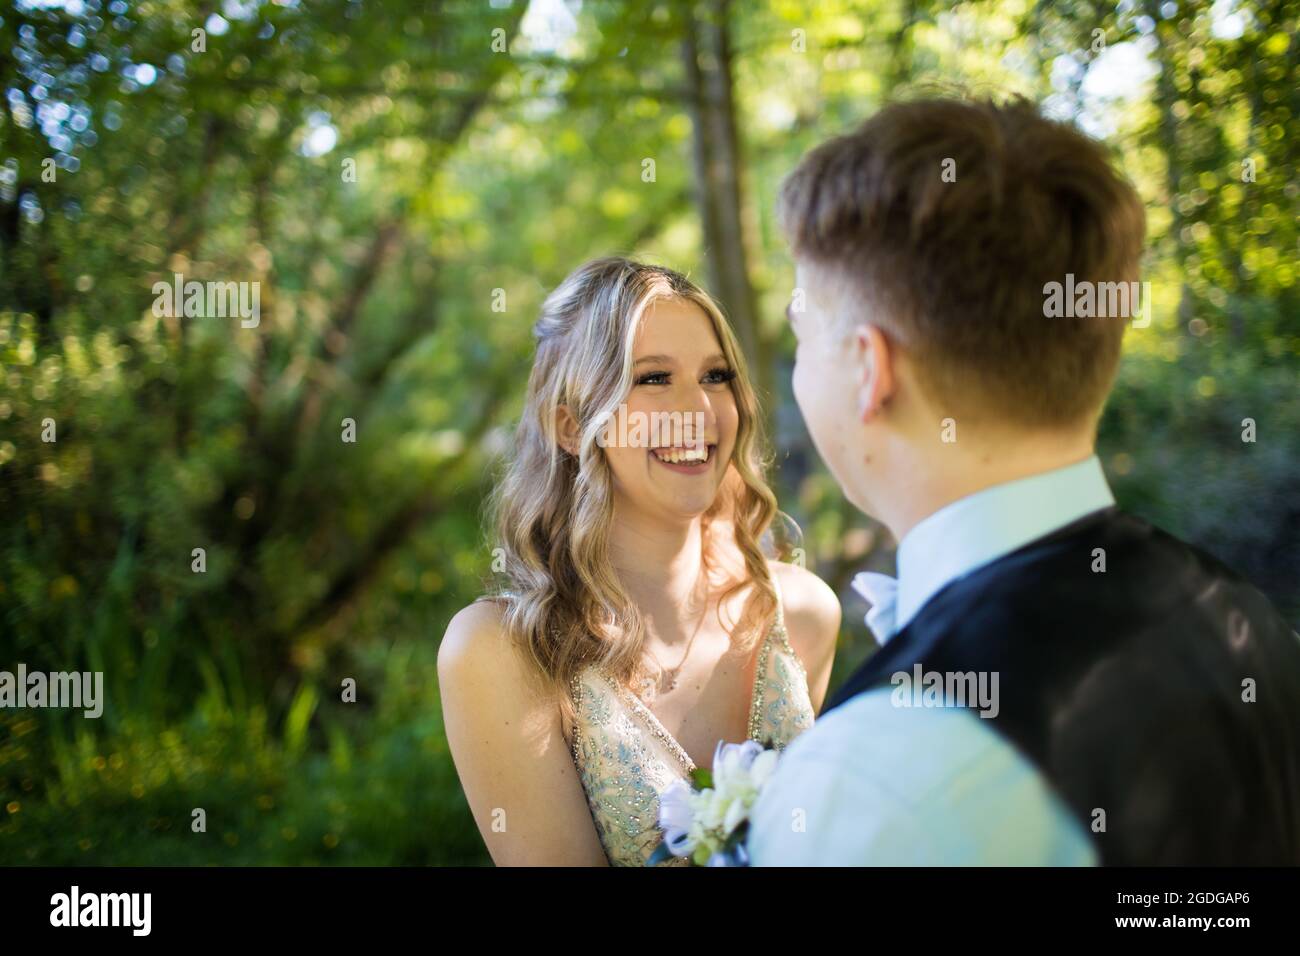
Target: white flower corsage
(707, 822)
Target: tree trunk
(1166, 96)
(706, 53)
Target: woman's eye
(716, 376)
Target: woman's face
(670, 444)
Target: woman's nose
(699, 401)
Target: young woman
(641, 623)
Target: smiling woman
(679, 367)
(641, 623)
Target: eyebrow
(669, 360)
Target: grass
(344, 787)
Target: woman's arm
(812, 619)
(510, 750)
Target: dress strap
(779, 619)
(575, 695)
(779, 631)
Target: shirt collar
(989, 524)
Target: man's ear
(567, 430)
(875, 363)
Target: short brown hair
(955, 271)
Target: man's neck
(943, 478)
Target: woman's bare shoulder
(477, 642)
(812, 610)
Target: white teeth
(678, 455)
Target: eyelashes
(714, 376)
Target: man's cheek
(797, 383)
(809, 378)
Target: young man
(1127, 699)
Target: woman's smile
(685, 459)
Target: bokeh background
(406, 180)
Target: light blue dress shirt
(877, 784)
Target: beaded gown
(626, 758)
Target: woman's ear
(567, 430)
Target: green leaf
(702, 778)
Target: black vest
(1125, 688)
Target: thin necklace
(651, 687)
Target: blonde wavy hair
(563, 603)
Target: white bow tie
(881, 592)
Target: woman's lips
(686, 463)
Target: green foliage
(379, 789)
(1175, 443)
